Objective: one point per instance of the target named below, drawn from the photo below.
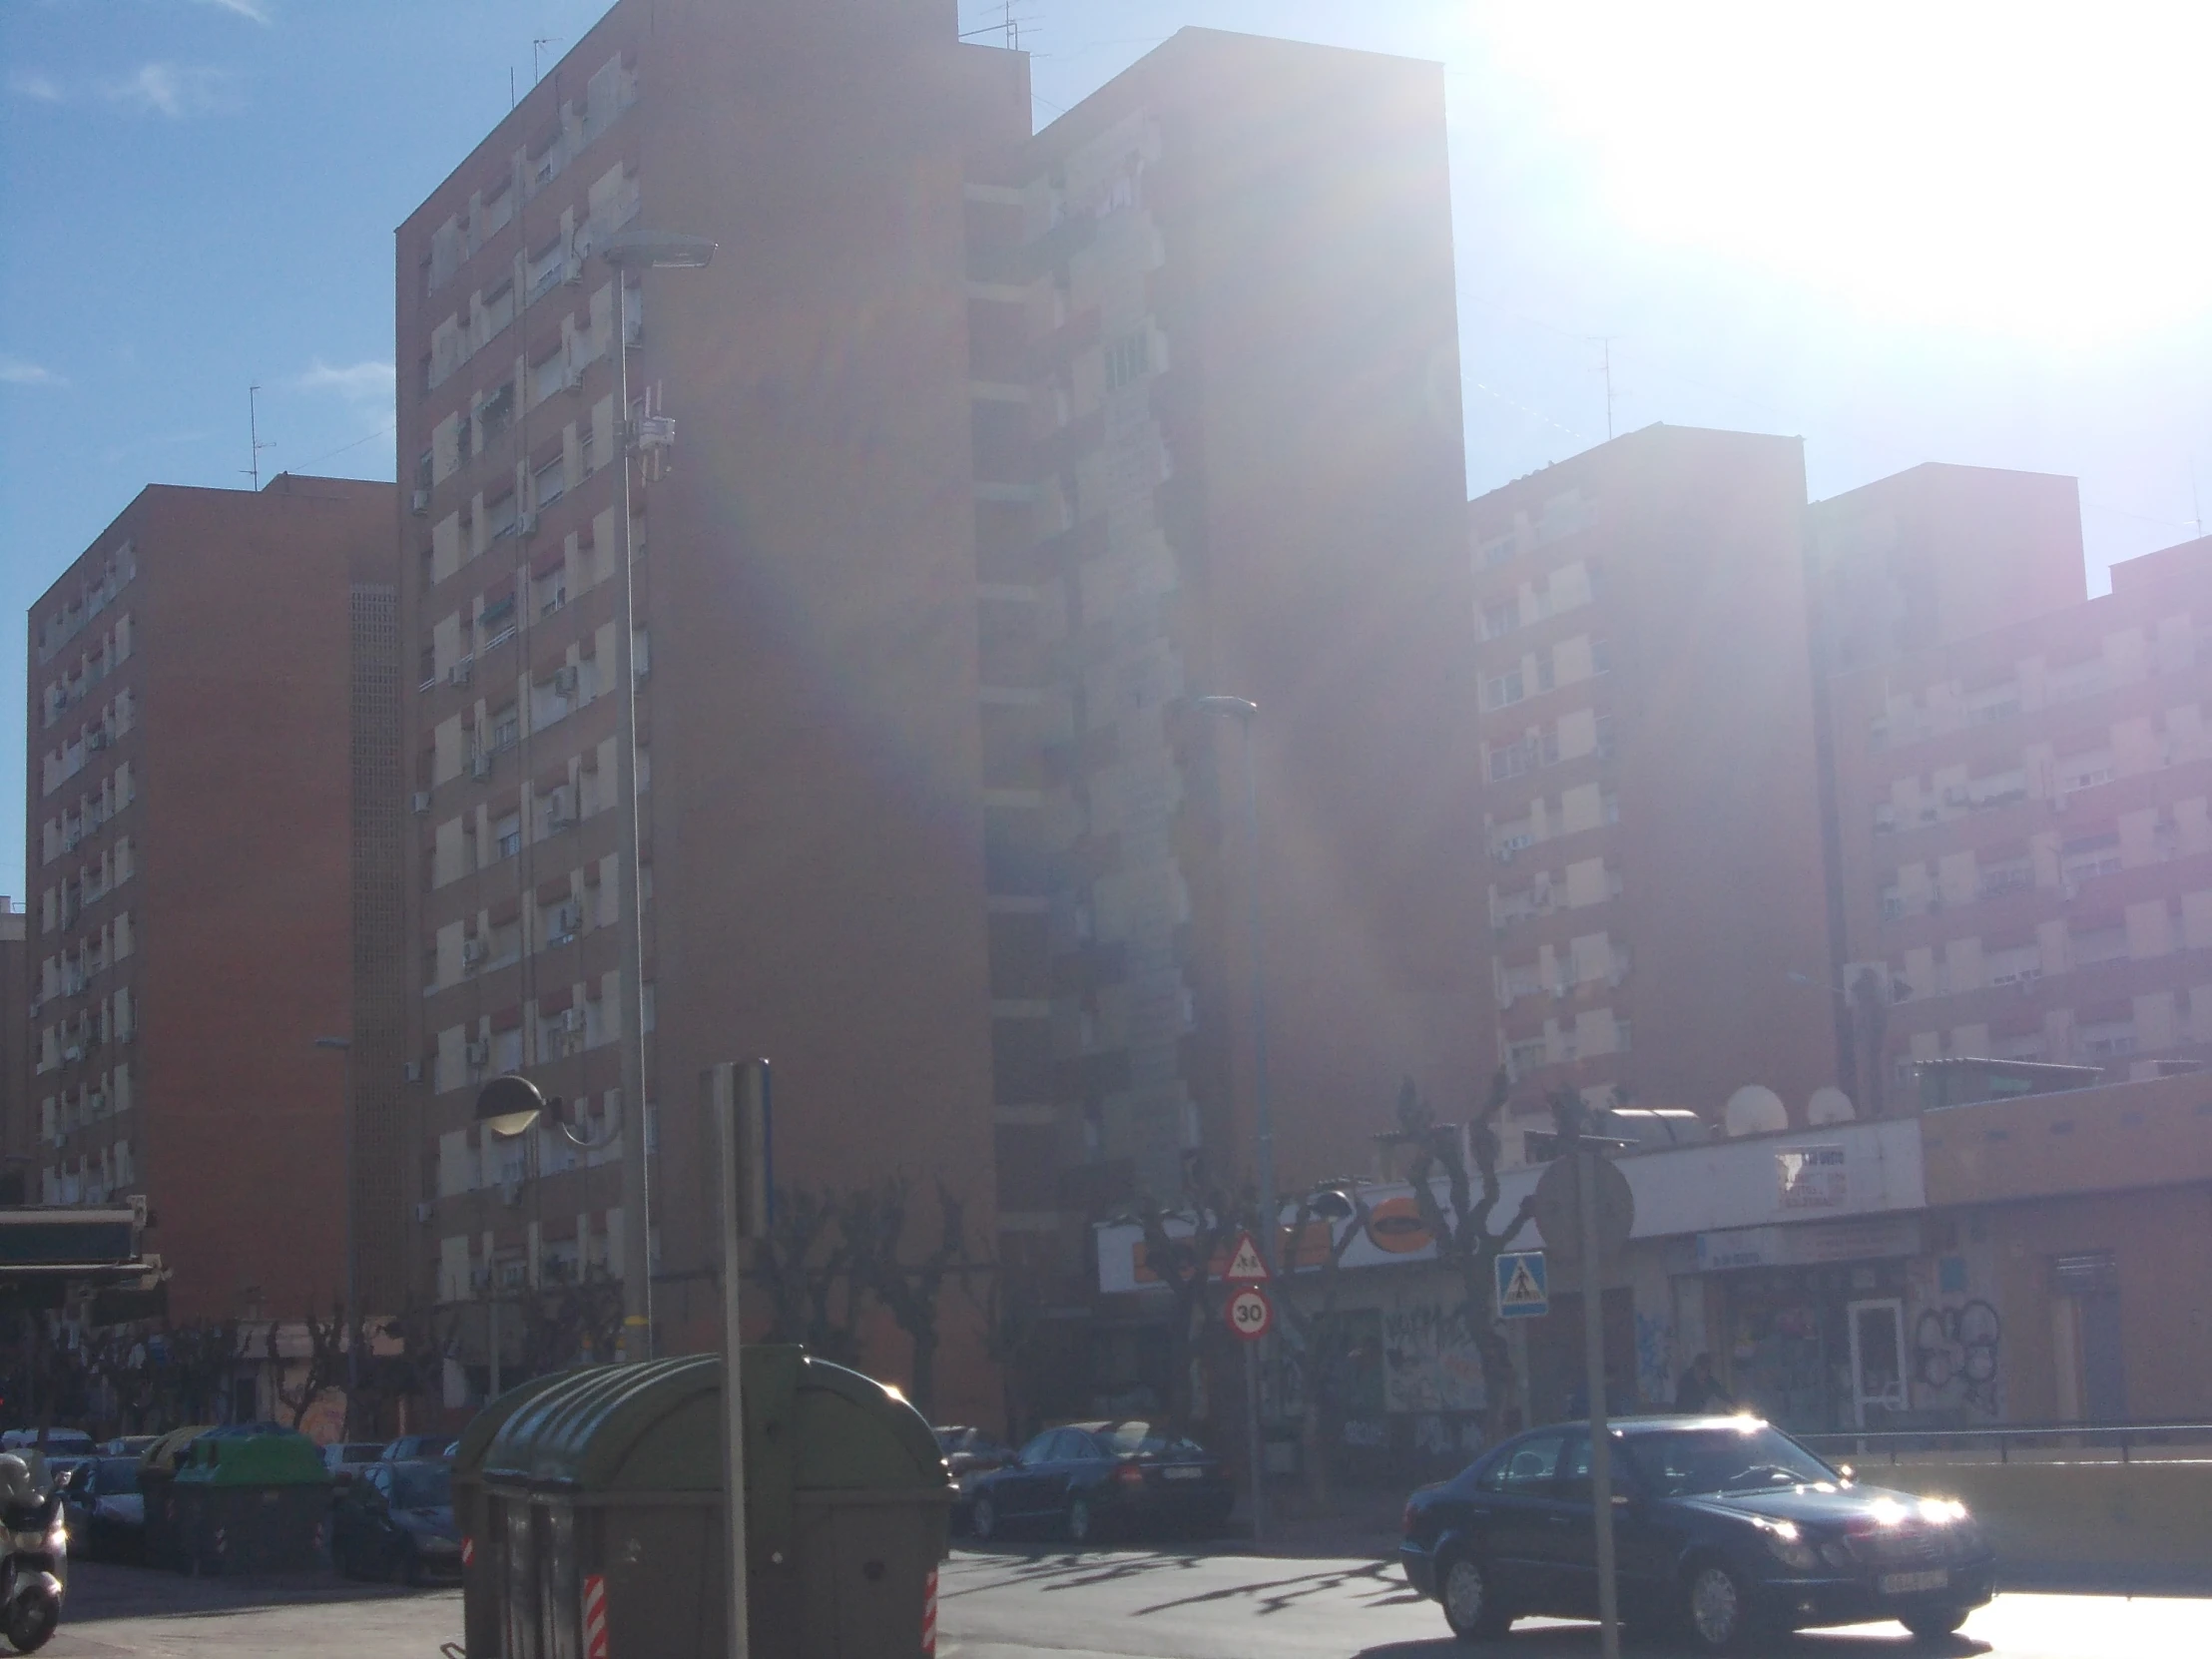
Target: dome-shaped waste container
(250, 1502)
(599, 1514)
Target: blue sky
(1945, 229)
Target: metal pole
(1601, 1450)
(636, 1191)
(352, 1255)
(1262, 1121)
(753, 1079)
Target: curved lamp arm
(511, 1104)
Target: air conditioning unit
(477, 1053)
(572, 378)
(558, 820)
(473, 951)
(412, 1071)
(419, 503)
(572, 272)
(422, 801)
(526, 524)
(564, 682)
(425, 1211)
(460, 671)
(572, 1019)
(479, 764)
(73, 1053)
(96, 740)
(479, 1278)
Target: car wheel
(1471, 1606)
(984, 1520)
(1935, 1623)
(1716, 1610)
(1082, 1521)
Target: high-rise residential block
(1218, 453)
(1652, 819)
(197, 747)
(2022, 820)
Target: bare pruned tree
(326, 1364)
(875, 1226)
(1464, 1222)
(1317, 1326)
(1183, 1261)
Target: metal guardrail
(2126, 1439)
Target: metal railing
(2067, 1440)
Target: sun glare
(2025, 168)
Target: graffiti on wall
(1960, 1343)
(1429, 1361)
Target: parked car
(395, 1521)
(60, 1443)
(346, 1459)
(105, 1509)
(414, 1449)
(128, 1445)
(1725, 1531)
(1089, 1479)
(969, 1455)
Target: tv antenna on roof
(1605, 368)
(537, 52)
(254, 437)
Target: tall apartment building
(810, 766)
(2024, 834)
(995, 450)
(1219, 451)
(195, 751)
(1652, 806)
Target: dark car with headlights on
(1725, 1530)
(969, 1455)
(395, 1521)
(1088, 1481)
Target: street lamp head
(508, 1105)
(653, 250)
(1236, 708)
(1333, 1204)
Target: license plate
(1912, 1583)
(1181, 1474)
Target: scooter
(31, 1574)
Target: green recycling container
(479, 1595)
(252, 1503)
(601, 1500)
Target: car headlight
(36, 1542)
(1787, 1544)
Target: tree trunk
(924, 1378)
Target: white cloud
(29, 83)
(254, 9)
(362, 382)
(14, 371)
(174, 90)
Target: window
(1601, 656)
(551, 481)
(2016, 964)
(2011, 876)
(508, 831)
(1511, 761)
(1502, 691)
(2089, 856)
(1544, 681)
(1500, 617)
(1527, 1469)
(506, 727)
(1127, 359)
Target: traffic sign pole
(1593, 1350)
(1248, 1270)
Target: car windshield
(1146, 1439)
(1755, 1458)
(423, 1488)
(119, 1474)
(950, 1440)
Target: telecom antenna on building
(254, 437)
(537, 55)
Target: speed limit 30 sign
(1250, 1313)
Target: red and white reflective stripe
(595, 1617)
(930, 1615)
(468, 1552)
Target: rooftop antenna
(254, 436)
(1605, 343)
(537, 52)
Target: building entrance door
(1877, 1361)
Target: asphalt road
(1102, 1604)
(1180, 1605)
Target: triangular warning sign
(1244, 1266)
(1522, 1290)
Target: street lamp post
(344, 1046)
(639, 251)
(1243, 711)
(738, 1101)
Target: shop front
(1811, 1318)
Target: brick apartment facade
(994, 451)
(193, 756)
(1651, 809)
(2023, 815)
(1219, 451)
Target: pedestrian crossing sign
(1520, 1285)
